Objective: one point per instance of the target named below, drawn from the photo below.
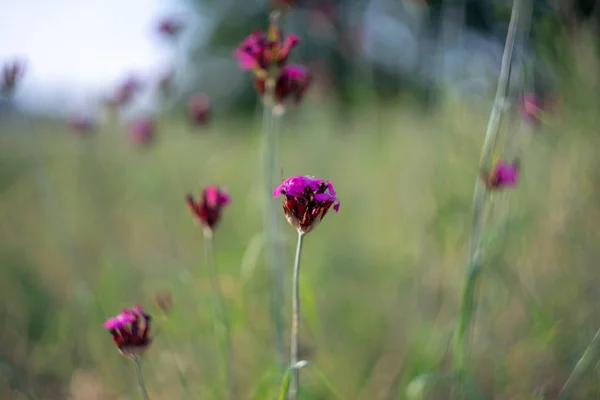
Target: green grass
(380, 280)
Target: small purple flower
(130, 331)
(125, 92)
(306, 201)
(141, 130)
(502, 174)
(12, 73)
(207, 209)
(199, 108)
(259, 51)
(170, 27)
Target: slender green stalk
(220, 312)
(590, 356)
(270, 128)
(468, 300)
(294, 344)
(140, 378)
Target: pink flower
(502, 174)
(306, 201)
(81, 123)
(125, 92)
(199, 108)
(141, 130)
(130, 331)
(170, 27)
(259, 51)
(531, 105)
(207, 209)
(12, 72)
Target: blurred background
(112, 111)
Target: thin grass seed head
(130, 331)
(208, 207)
(502, 175)
(306, 201)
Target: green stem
(270, 128)
(295, 373)
(468, 298)
(590, 355)
(220, 312)
(140, 378)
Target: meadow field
(93, 224)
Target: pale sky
(75, 48)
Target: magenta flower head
(12, 72)
(259, 51)
(130, 331)
(306, 201)
(141, 130)
(207, 208)
(502, 174)
(199, 109)
(170, 27)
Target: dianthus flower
(130, 331)
(207, 208)
(502, 174)
(306, 201)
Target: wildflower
(259, 51)
(532, 106)
(502, 174)
(170, 27)
(306, 201)
(207, 208)
(81, 123)
(12, 72)
(293, 81)
(125, 91)
(199, 108)
(130, 331)
(141, 130)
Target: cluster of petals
(503, 174)
(207, 208)
(130, 331)
(266, 55)
(306, 201)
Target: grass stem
(140, 378)
(220, 312)
(468, 298)
(294, 344)
(590, 355)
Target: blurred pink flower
(531, 105)
(130, 331)
(306, 201)
(170, 27)
(207, 208)
(141, 130)
(259, 51)
(81, 123)
(125, 92)
(199, 108)
(293, 81)
(502, 174)
(12, 72)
